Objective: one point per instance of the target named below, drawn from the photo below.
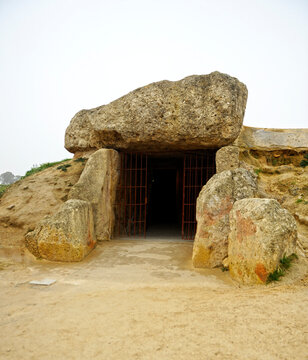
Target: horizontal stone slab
(197, 112)
(272, 139)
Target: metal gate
(198, 168)
(131, 206)
(131, 203)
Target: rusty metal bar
(145, 195)
(184, 199)
(132, 195)
(197, 170)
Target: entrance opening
(157, 193)
(164, 197)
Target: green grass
(275, 275)
(36, 169)
(284, 264)
(301, 201)
(286, 261)
(257, 171)
(3, 189)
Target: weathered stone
(272, 139)
(97, 185)
(227, 158)
(68, 235)
(193, 113)
(261, 233)
(214, 203)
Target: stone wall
(275, 156)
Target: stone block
(261, 233)
(214, 203)
(68, 235)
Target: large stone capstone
(199, 111)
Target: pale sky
(60, 56)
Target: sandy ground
(143, 300)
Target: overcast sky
(60, 56)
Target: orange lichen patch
(245, 227)
(261, 272)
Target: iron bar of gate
(132, 194)
(197, 170)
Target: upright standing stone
(214, 204)
(261, 233)
(98, 185)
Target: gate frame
(198, 167)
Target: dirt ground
(143, 300)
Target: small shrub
(224, 268)
(301, 201)
(275, 275)
(81, 160)
(284, 265)
(257, 171)
(286, 261)
(304, 162)
(63, 167)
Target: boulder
(227, 158)
(261, 233)
(67, 235)
(97, 185)
(197, 112)
(214, 203)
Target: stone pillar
(98, 185)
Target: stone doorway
(157, 193)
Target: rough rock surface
(214, 203)
(227, 158)
(272, 139)
(199, 111)
(98, 185)
(281, 177)
(27, 201)
(68, 235)
(261, 233)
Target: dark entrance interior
(157, 193)
(164, 196)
